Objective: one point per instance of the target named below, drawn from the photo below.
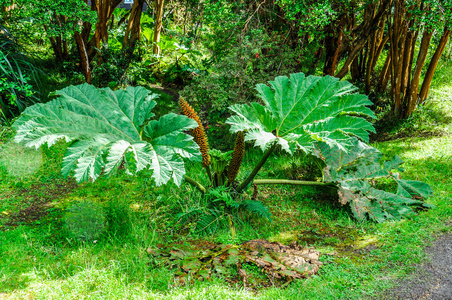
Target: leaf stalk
(294, 182)
(256, 169)
(195, 184)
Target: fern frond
(209, 223)
(198, 133)
(237, 157)
(185, 217)
(257, 207)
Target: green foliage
(59, 18)
(300, 111)
(432, 14)
(16, 75)
(114, 70)
(85, 221)
(220, 161)
(231, 75)
(108, 130)
(310, 16)
(118, 217)
(355, 173)
(220, 210)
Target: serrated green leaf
(415, 188)
(299, 111)
(107, 128)
(354, 171)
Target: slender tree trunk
(55, 43)
(381, 45)
(433, 64)
(414, 86)
(158, 24)
(354, 70)
(406, 58)
(87, 45)
(398, 25)
(370, 60)
(385, 75)
(57, 50)
(85, 63)
(376, 48)
(360, 41)
(408, 79)
(333, 42)
(133, 31)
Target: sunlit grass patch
(19, 160)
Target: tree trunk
(84, 59)
(433, 64)
(133, 30)
(377, 44)
(333, 42)
(414, 86)
(354, 70)
(57, 49)
(86, 46)
(385, 75)
(158, 24)
(398, 25)
(369, 27)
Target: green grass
(41, 259)
(18, 160)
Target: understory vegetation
(221, 149)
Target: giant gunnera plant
(324, 117)
(317, 115)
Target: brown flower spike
(198, 133)
(237, 156)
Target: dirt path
(432, 279)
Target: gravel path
(432, 280)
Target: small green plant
(17, 74)
(118, 218)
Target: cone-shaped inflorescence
(198, 133)
(237, 156)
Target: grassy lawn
(42, 256)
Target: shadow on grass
(422, 124)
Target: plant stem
(195, 184)
(256, 169)
(209, 173)
(294, 182)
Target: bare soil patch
(35, 201)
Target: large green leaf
(108, 129)
(298, 111)
(355, 171)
